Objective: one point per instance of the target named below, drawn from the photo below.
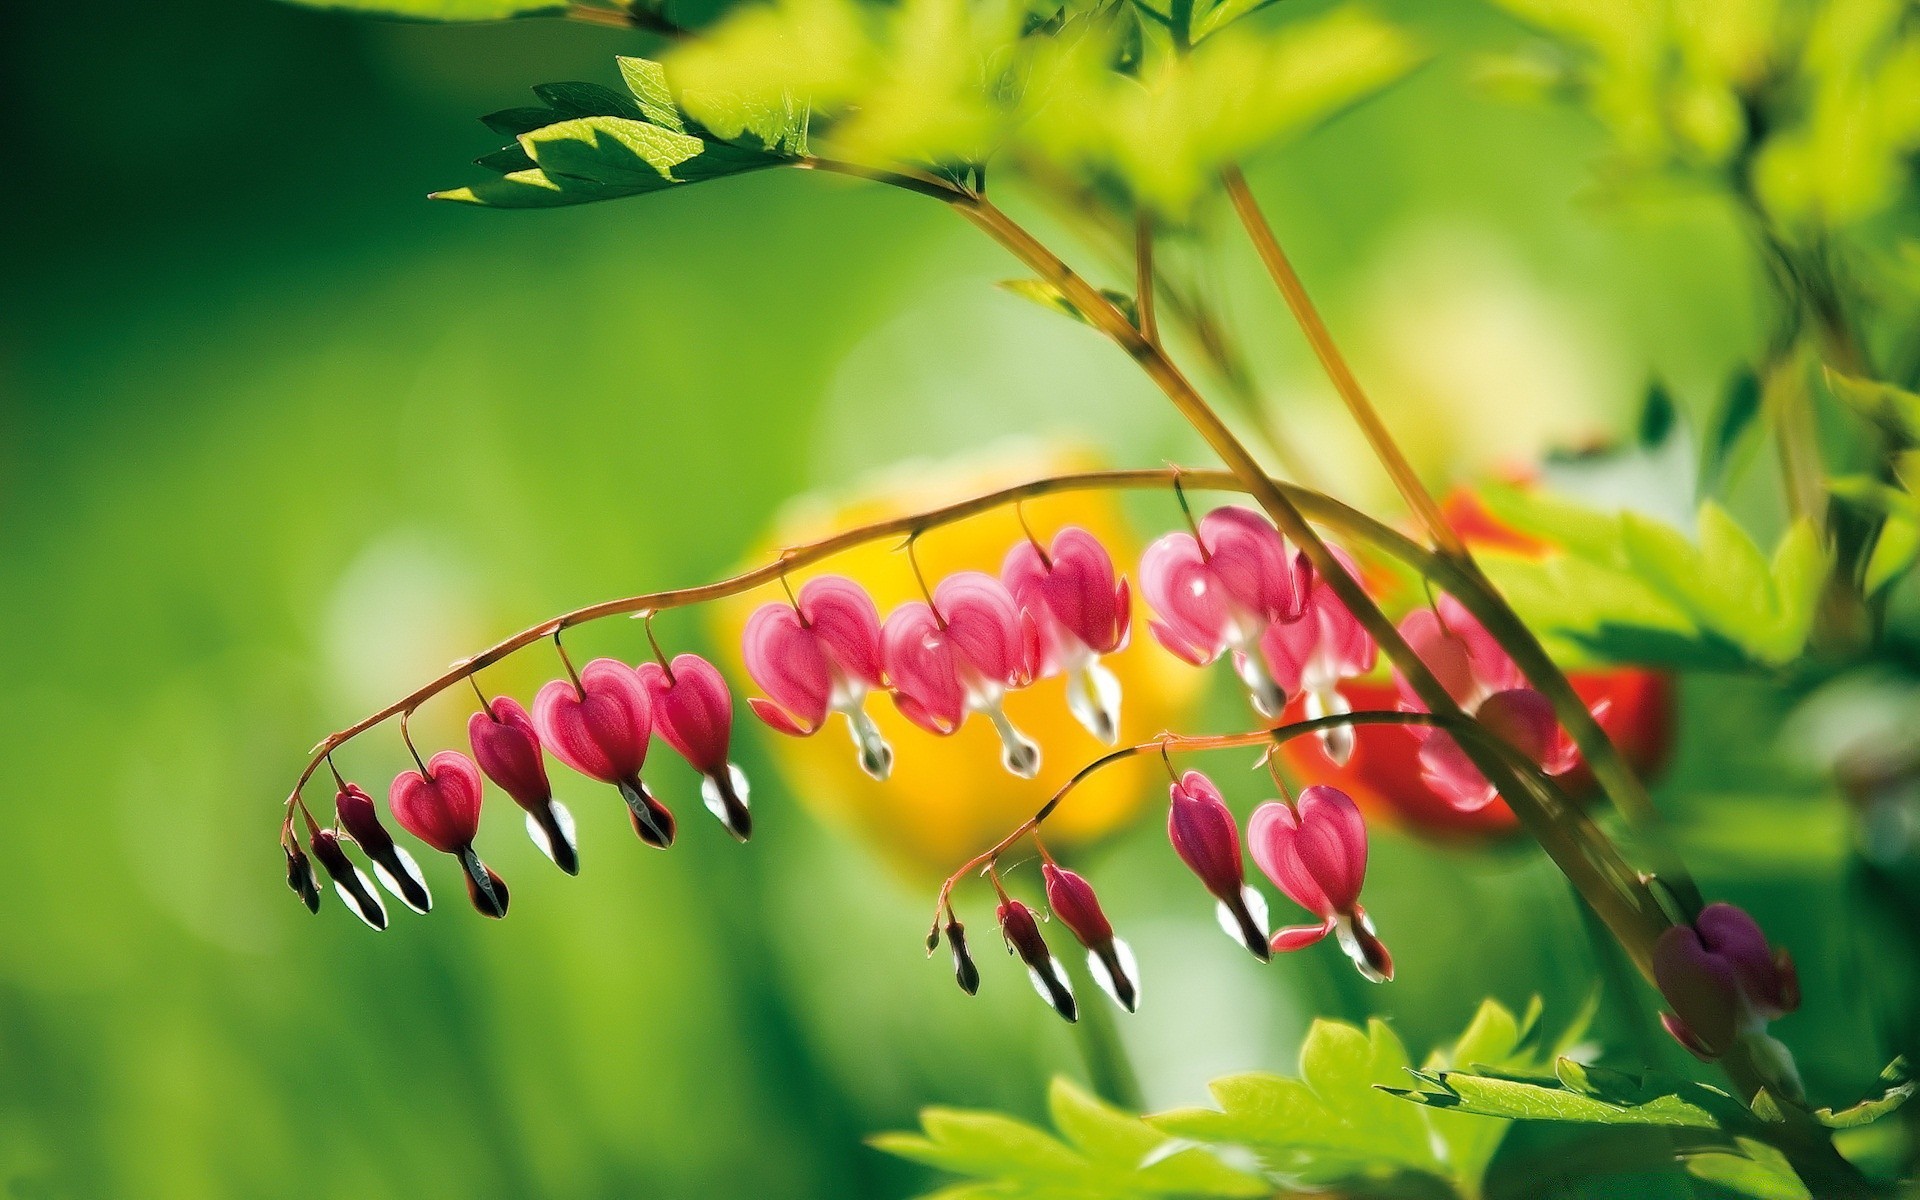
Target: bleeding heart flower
(693, 712)
(1316, 852)
(507, 747)
(394, 867)
(960, 655)
(1723, 980)
(441, 807)
(599, 726)
(1488, 686)
(1205, 836)
(1081, 612)
(819, 655)
(1111, 960)
(1022, 934)
(1220, 592)
(1314, 654)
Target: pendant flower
(1111, 960)
(441, 807)
(1316, 852)
(1489, 687)
(507, 747)
(1022, 934)
(1725, 983)
(1220, 592)
(353, 883)
(394, 867)
(961, 655)
(1082, 613)
(693, 712)
(599, 726)
(819, 655)
(1314, 654)
(1205, 836)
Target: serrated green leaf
(1894, 552)
(1578, 1094)
(1897, 1090)
(574, 99)
(647, 80)
(1757, 1170)
(442, 10)
(1799, 570)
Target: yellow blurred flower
(949, 798)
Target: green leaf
(1580, 1094)
(1894, 552)
(443, 10)
(1050, 297)
(1895, 410)
(1106, 1153)
(592, 143)
(1755, 1169)
(1897, 1089)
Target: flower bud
(1204, 835)
(353, 883)
(693, 713)
(300, 877)
(1022, 934)
(507, 747)
(392, 865)
(1111, 960)
(964, 971)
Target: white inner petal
(1104, 977)
(1093, 696)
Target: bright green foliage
(1337, 1122)
(1754, 1169)
(591, 143)
(1578, 1093)
(1897, 1089)
(1101, 1154)
(1673, 81)
(443, 10)
(1630, 588)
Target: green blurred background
(278, 439)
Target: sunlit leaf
(1755, 1169)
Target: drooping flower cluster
(972, 640)
(598, 721)
(1724, 981)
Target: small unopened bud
(964, 971)
(353, 883)
(1724, 983)
(301, 879)
(1022, 934)
(1204, 835)
(1110, 959)
(392, 865)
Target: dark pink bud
(352, 882)
(1722, 980)
(442, 809)
(1072, 900)
(693, 712)
(300, 877)
(1207, 839)
(1316, 852)
(965, 973)
(1022, 934)
(394, 866)
(507, 747)
(600, 728)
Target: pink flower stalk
(600, 727)
(394, 867)
(1111, 960)
(1082, 613)
(693, 713)
(1315, 653)
(1207, 839)
(1316, 852)
(355, 888)
(1489, 687)
(1725, 984)
(1022, 934)
(507, 747)
(961, 655)
(820, 655)
(1220, 592)
(442, 808)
